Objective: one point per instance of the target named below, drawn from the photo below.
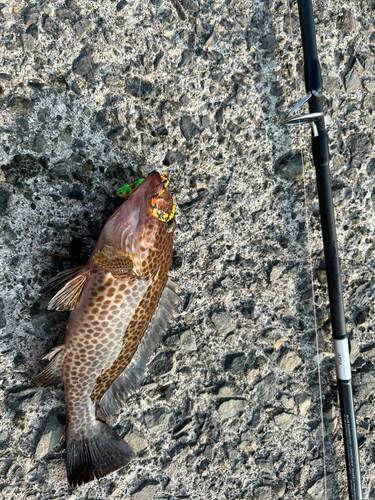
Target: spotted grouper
(121, 301)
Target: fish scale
(120, 301)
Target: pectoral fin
(68, 297)
(114, 261)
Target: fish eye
(170, 226)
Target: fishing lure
(159, 214)
(128, 189)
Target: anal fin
(114, 261)
(68, 297)
(52, 372)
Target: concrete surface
(96, 94)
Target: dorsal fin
(114, 261)
(68, 297)
(132, 377)
(52, 372)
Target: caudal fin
(94, 456)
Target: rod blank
(313, 82)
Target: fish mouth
(163, 185)
(158, 213)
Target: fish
(121, 301)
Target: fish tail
(95, 454)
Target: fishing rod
(313, 85)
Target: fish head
(150, 196)
(146, 220)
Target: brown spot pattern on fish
(123, 283)
(134, 332)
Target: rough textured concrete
(96, 94)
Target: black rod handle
(350, 438)
(344, 382)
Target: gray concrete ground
(96, 94)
